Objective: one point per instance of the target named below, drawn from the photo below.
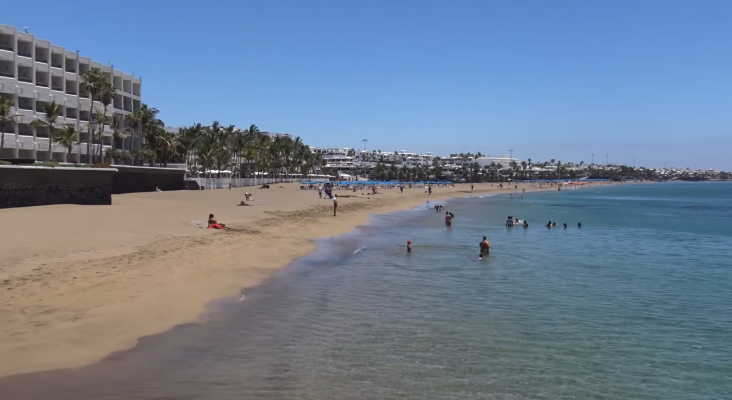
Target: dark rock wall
(24, 186)
(143, 179)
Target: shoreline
(67, 312)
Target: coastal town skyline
(540, 80)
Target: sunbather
(213, 224)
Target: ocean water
(637, 304)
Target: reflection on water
(611, 311)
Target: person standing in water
(526, 224)
(409, 246)
(448, 218)
(579, 224)
(485, 248)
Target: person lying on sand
(242, 203)
(213, 224)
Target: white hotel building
(504, 161)
(33, 71)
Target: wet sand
(79, 282)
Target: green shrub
(5, 162)
(50, 164)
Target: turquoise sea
(637, 304)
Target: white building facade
(34, 71)
(504, 161)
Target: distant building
(34, 71)
(504, 161)
(274, 134)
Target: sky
(626, 80)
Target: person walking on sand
(471, 187)
(485, 248)
(335, 204)
(320, 191)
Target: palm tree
(94, 80)
(66, 137)
(140, 119)
(51, 111)
(98, 120)
(106, 96)
(6, 115)
(166, 140)
(188, 140)
(120, 132)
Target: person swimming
(485, 248)
(549, 224)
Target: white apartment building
(504, 161)
(34, 71)
(337, 157)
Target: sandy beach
(79, 282)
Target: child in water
(409, 246)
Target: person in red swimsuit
(213, 224)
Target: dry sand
(78, 282)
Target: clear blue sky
(648, 79)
